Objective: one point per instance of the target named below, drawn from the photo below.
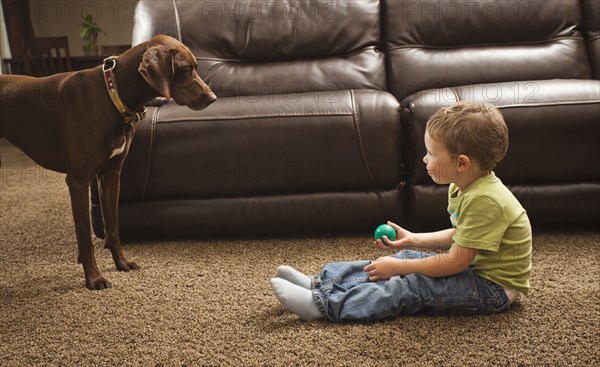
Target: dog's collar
(130, 117)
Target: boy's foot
(297, 299)
(294, 276)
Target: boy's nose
(425, 159)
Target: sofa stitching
(549, 103)
(177, 21)
(536, 103)
(150, 155)
(484, 44)
(359, 137)
(265, 115)
(455, 94)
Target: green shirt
(489, 218)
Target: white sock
(294, 276)
(297, 299)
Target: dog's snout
(211, 97)
(203, 100)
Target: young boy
(488, 258)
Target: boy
(488, 261)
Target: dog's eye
(187, 68)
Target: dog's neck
(133, 88)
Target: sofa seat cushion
(553, 128)
(270, 144)
(551, 165)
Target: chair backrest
(49, 55)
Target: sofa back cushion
(446, 43)
(590, 11)
(261, 47)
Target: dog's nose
(211, 97)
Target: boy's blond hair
(476, 130)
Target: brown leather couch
(322, 106)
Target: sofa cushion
(303, 142)
(552, 159)
(444, 43)
(590, 10)
(555, 117)
(561, 204)
(269, 47)
(324, 212)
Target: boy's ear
(464, 162)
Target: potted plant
(89, 35)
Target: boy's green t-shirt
(489, 218)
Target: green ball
(385, 230)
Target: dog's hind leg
(108, 189)
(79, 189)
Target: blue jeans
(343, 293)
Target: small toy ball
(385, 230)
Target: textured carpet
(207, 302)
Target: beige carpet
(207, 302)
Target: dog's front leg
(79, 189)
(108, 188)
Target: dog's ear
(158, 69)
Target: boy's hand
(403, 236)
(383, 268)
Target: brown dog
(82, 123)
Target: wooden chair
(49, 55)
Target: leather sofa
(322, 107)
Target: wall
(63, 17)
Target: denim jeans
(343, 292)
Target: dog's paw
(97, 284)
(126, 265)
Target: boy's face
(441, 167)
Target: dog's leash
(131, 117)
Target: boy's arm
(435, 240)
(440, 240)
(442, 265)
